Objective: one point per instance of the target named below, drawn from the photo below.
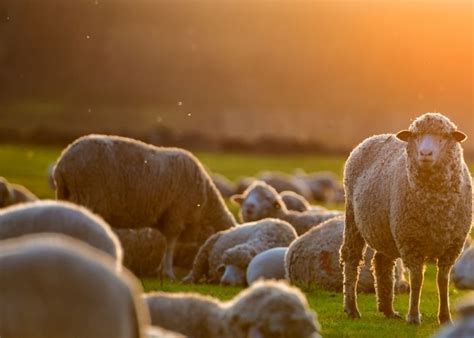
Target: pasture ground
(27, 165)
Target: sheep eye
(276, 205)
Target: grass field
(28, 165)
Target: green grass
(28, 165)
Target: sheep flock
(126, 210)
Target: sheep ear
(237, 199)
(459, 136)
(404, 135)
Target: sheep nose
(426, 153)
(250, 207)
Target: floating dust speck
(180, 103)
(88, 37)
(159, 119)
(189, 114)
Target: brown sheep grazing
(136, 185)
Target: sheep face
(232, 275)
(431, 140)
(259, 201)
(463, 271)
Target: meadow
(28, 165)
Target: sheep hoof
(444, 319)
(188, 279)
(352, 313)
(414, 319)
(392, 314)
(170, 275)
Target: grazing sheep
(463, 270)
(408, 195)
(282, 182)
(13, 194)
(143, 250)
(463, 327)
(224, 185)
(136, 185)
(264, 310)
(60, 217)
(224, 257)
(294, 202)
(55, 286)
(260, 200)
(324, 185)
(313, 259)
(269, 264)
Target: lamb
(269, 264)
(463, 270)
(313, 260)
(55, 286)
(266, 309)
(60, 217)
(224, 257)
(136, 185)
(143, 250)
(13, 194)
(224, 185)
(407, 195)
(260, 200)
(463, 327)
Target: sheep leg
(352, 251)
(416, 281)
(444, 315)
(383, 270)
(167, 262)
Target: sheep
(295, 202)
(313, 259)
(13, 194)
(269, 264)
(50, 174)
(324, 185)
(60, 217)
(224, 185)
(56, 286)
(143, 250)
(408, 195)
(224, 257)
(266, 309)
(463, 327)
(260, 200)
(462, 274)
(132, 184)
(281, 182)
